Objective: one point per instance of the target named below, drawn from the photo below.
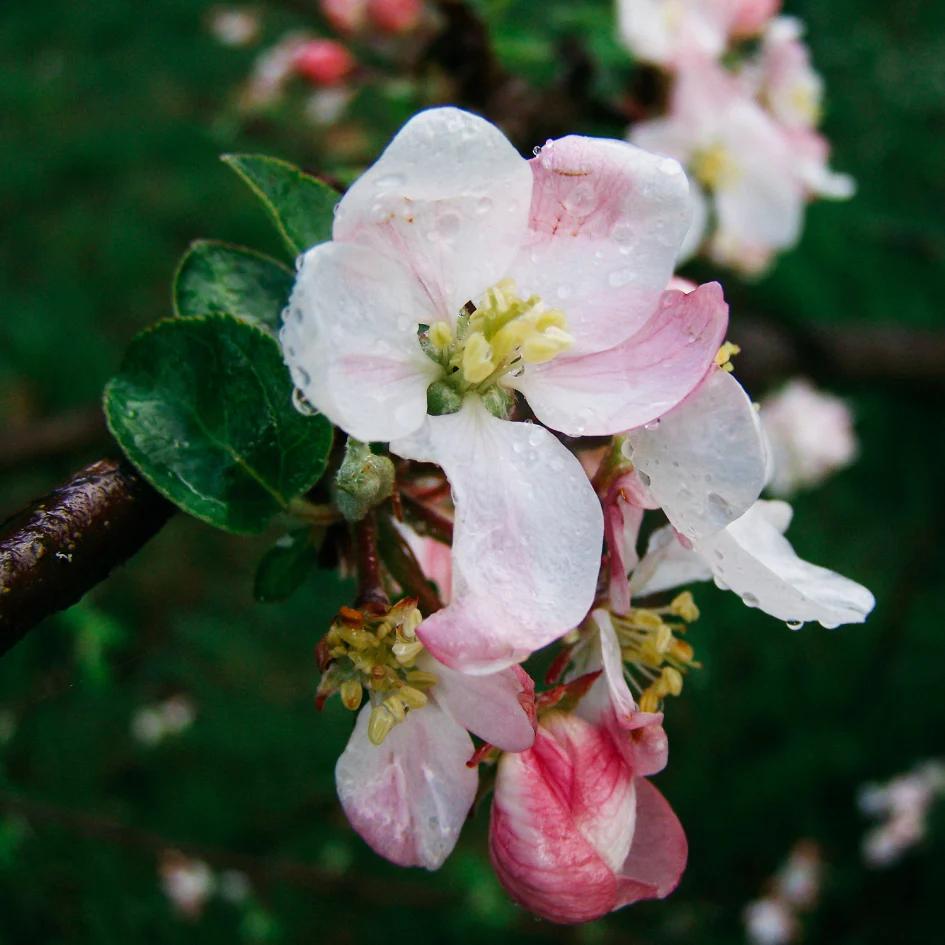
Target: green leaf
(301, 206)
(203, 407)
(285, 566)
(217, 277)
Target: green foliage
(215, 277)
(285, 566)
(300, 206)
(203, 407)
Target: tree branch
(65, 543)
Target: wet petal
(528, 535)
(640, 379)
(668, 563)
(753, 559)
(499, 707)
(408, 797)
(607, 221)
(657, 858)
(705, 462)
(350, 340)
(449, 199)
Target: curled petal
(657, 858)
(640, 379)
(705, 462)
(606, 223)
(668, 563)
(752, 558)
(522, 574)
(499, 707)
(409, 796)
(350, 340)
(449, 197)
(540, 855)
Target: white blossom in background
(151, 724)
(902, 805)
(774, 919)
(234, 26)
(187, 883)
(810, 436)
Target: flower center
(654, 655)
(714, 167)
(500, 336)
(377, 653)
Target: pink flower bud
(575, 833)
(750, 16)
(395, 16)
(346, 16)
(323, 61)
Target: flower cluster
(743, 113)
(509, 331)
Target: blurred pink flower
(323, 61)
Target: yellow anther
(380, 723)
(684, 606)
(649, 701)
(359, 639)
(681, 651)
(351, 692)
(551, 318)
(477, 358)
(441, 335)
(411, 619)
(397, 707)
(407, 652)
(419, 677)
(646, 619)
(414, 698)
(724, 355)
(544, 345)
(671, 681)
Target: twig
(431, 522)
(64, 544)
(298, 873)
(371, 593)
(403, 566)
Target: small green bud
(443, 398)
(363, 480)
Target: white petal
(705, 461)
(528, 536)
(350, 340)
(667, 564)
(607, 220)
(408, 797)
(449, 198)
(753, 559)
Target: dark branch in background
(61, 435)
(64, 544)
(259, 869)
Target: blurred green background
(112, 116)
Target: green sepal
(203, 408)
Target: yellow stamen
(724, 355)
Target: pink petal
(449, 199)
(640, 379)
(350, 340)
(668, 563)
(499, 707)
(705, 462)
(434, 557)
(540, 856)
(521, 577)
(657, 858)
(607, 221)
(408, 797)
(626, 500)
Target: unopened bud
(364, 480)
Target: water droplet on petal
(794, 624)
(621, 277)
(652, 425)
(750, 599)
(389, 182)
(484, 205)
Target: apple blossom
(576, 831)
(323, 61)
(667, 32)
(810, 435)
(460, 274)
(403, 779)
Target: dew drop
(652, 425)
(620, 277)
(389, 181)
(564, 291)
(622, 232)
(301, 404)
(794, 624)
(750, 599)
(484, 205)
(644, 478)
